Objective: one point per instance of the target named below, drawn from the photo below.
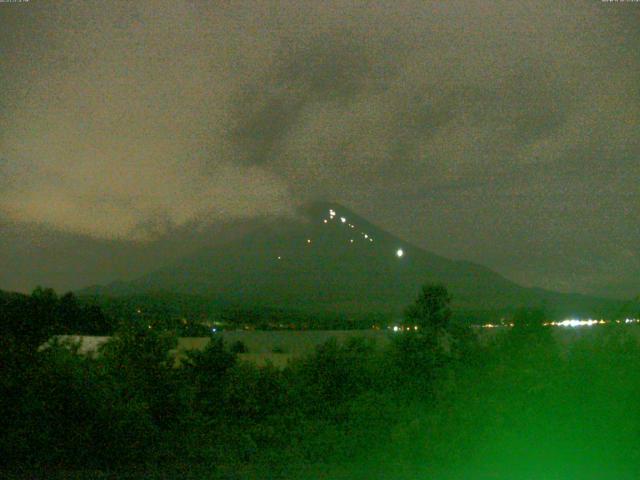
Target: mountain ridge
(329, 258)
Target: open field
(279, 346)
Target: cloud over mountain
(500, 132)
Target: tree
(95, 321)
(529, 330)
(69, 314)
(208, 371)
(238, 347)
(140, 359)
(27, 321)
(431, 310)
(530, 319)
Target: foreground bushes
(470, 408)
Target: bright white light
(343, 220)
(366, 236)
(332, 212)
(351, 240)
(572, 322)
(279, 257)
(395, 328)
(325, 220)
(308, 240)
(399, 253)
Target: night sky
(506, 133)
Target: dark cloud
(332, 69)
(500, 132)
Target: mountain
(330, 259)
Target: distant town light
(351, 240)
(343, 220)
(399, 253)
(308, 240)
(325, 220)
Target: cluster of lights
(365, 236)
(332, 216)
(573, 322)
(404, 328)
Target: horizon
(153, 121)
(236, 230)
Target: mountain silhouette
(329, 258)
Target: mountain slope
(333, 260)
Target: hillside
(330, 259)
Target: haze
(502, 133)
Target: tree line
(435, 400)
